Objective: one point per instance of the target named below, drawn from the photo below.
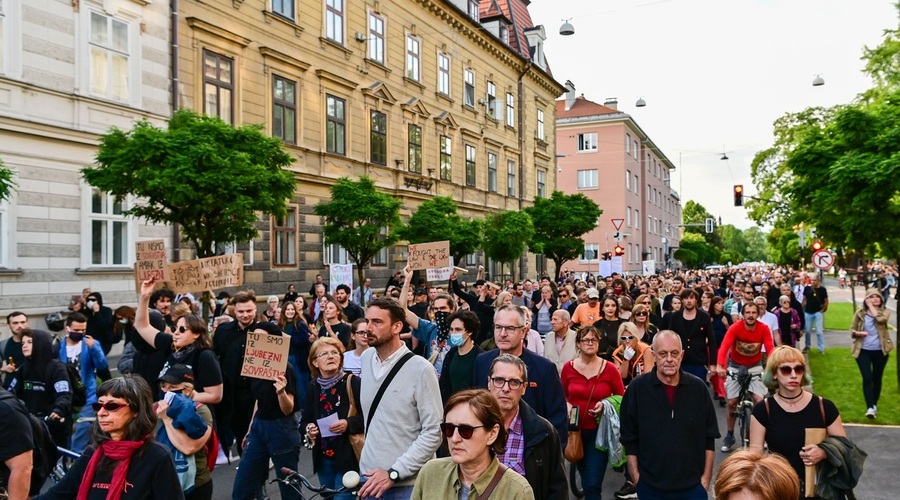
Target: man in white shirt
(768, 319)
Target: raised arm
(142, 315)
(411, 317)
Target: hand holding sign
(148, 286)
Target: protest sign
(440, 273)
(429, 255)
(340, 274)
(605, 268)
(150, 259)
(211, 273)
(616, 265)
(648, 267)
(265, 356)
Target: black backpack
(45, 453)
(79, 391)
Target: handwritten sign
(440, 273)
(265, 356)
(429, 255)
(340, 274)
(211, 273)
(648, 267)
(151, 260)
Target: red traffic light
(817, 245)
(738, 195)
(619, 250)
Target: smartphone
(573, 417)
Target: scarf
(115, 450)
(181, 354)
(328, 383)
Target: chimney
(611, 102)
(570, 94)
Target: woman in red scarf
(123, 461)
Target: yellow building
(426, 97)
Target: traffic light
(816, 246)
(607, 255)
(619, 251)
(738, 195)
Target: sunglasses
(640, 314)
(465, 431)
(786, 370)
(110, 406)
(627, 337)
(182, 329)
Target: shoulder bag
(356, 440)
(384, 385)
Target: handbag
(574, 451)
(359, 439)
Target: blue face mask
(457, 339)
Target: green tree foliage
(782, 246)
(695, 213)
(734, 245)
(7, 184)
(695, 252)
(360, 219)
(437, 219)
(506, 235)
(756, 244)
(207, 176)
(559, 223)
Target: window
(469, 94)
(636, 185)
(109, 57)
(628, 144)
(591, 252)
(492, 172)
(335, 123)
(628, 180)
(628, 217)
(587, 179)
(637, 219)
(504, 33)
(635, 149)
(378, 139)
(473, 9)
(415, 149)
(540, 124)
(510, 178)
(443, 84)
(218, 86)
(446, 158)
(335, 254)
(334, 20)
(284, 8)
(493, 106)
(510, 110)
(412, 58)
(650, 225)
(470, 165)
(109, 230)
(284, 239)
(376, 38)
(587, 142)
(542, 183)
(284, 109)
(381, 257)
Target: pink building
(604, 154)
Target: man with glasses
(84, 353)
(545, 392)
(533, 448)
(746, 298)
(669, 427)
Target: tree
(756, 244)
(7, 184)
(559, 222)
(695, 252)
(506, 235)
(360, 219)
(734, 246)
(696, 214)
(437, 220)
(209, 177)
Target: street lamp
(818, 81)
(566, 29)
(640, 103)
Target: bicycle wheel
(573, 481)
(744, 416)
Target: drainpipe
(521, 138)
(173, 49)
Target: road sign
(617, 236)
(617, 223)
(823, 259)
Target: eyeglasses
(109, 406)
(499, 382)
(647, 302)
(627, 337)
(588, 341)
(787, 369)
(361, 332)
(329, 354)
(465, 430)
(506, 328)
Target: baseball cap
(421, 291)
(177, 374)
(593, 293)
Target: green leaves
(6, 182)
(506, 235)
(437, 219)
(559, 222)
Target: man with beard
(677, 287)
(351, 311)
(694, 326)
(11, 348)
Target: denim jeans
(330, 476)
(646, 492)
(818, 318)
(871, 367)
(277, 439)
(302, 379)
(81, 436)
(592, 467)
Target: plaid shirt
(514, 458)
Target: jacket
(344, 457)
(100, 323)
(839, 473)
(568, 351)
(91, 361)
(700, 345)
(544, 466)
(881, 321)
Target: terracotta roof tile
(582, 107)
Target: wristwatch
(393, 475)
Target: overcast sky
(715, 73)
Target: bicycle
(65, 462)
(745, 403)
(297, 482)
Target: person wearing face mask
(99, 321)
(433, 335)
(459, 364)
(222, 303)
(84, 353)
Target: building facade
(68, 72)
(605, 155)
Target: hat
(872, 291)
(479, 282)
(178, 374)
(421, 291)
(268, 327)
(593, 293)
(223, 295)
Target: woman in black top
(608, 326)
(721, 321)
(42, 382)
(294, 325)
(333, 323)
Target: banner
(440, 273)
(429, 255)
(605, 269)
(265, 356)
(211, 273)
(616, 265)
(340, 274)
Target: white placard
(649, 267)
(605, 268)
(440, 273)
(340, 274)
(616, 265)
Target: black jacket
(839, 473)
(444, 380)
(344, 457)
(42, 381)
(484, 311)
(100, 324)
(699, 343)
(543, 455)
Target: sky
(715, 74)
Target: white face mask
(124, 321)
(91, 304)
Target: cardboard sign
(211, 273)
(429, 255)
(265, 356)
(150, 260)
(340, 274)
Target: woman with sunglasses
(123, 460)
(640, 318)
(327, 396)
(632, 357)
(587, 380)
(780, 421)
(475, 433)
(871, 345)
(189, 345)
(359, 342)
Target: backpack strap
(384, 385)
(494, 481)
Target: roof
(582, 108)
(514, 12)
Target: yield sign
(617, 223)
(823, 259)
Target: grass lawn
(839, 316)
(836, 377)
